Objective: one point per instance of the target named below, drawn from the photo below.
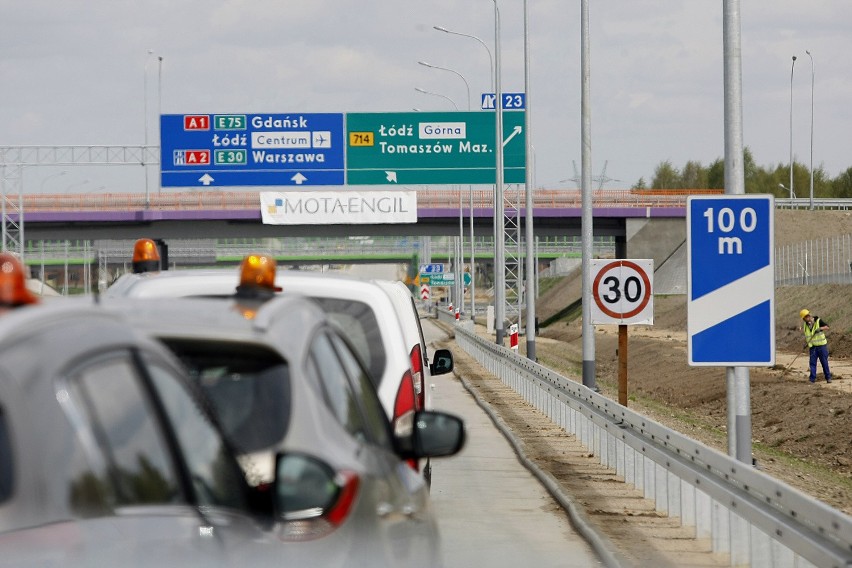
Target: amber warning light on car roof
(146, 256)
(13, 283)
(257, 276)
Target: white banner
(338, 207)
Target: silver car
(299, 406)
(107, 456)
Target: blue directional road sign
(511, 101)
(436, 268)
(731, 280)
(218, 150)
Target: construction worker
(13, 284)
(814, 329)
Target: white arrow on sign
(391, 176)
(206, 179)
(299, 178)
(517, 130)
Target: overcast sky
(74, 73)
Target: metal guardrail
(818, 202)
(757, 520)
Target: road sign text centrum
(251, 149)
(432, 148)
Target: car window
(362, 330)
(332, 376)
(216, 478)
(247, 385)
(6, 469)
(139, 469)
(374, 413)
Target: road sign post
(730, 280)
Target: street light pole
(792, 67)
(466, 85)
(812, 128)
(530, 264)
(499, 221)
(459, 283)
(145, 111)
(425, 92)
(159, 106)
(470, 188)
(490, 58)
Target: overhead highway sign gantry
(219, 150)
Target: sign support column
(738, 377)
(500, 222)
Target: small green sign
(235, 157)
(229, 122)
(432, 148)
(441, 279)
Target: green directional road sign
(440, 279)
(411, 148)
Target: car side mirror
(435, 435)
(442, 362)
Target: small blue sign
(220, 150)
(432, 268)
(731, 280)
(511, 101)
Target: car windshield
(247, 385)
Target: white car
(363, 308)
(412, 333)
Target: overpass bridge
(218, 214)
(632, 224)
(628, 224)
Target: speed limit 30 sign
(622, 291)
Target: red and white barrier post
(513, 336)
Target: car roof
(387, 366)
(191, 316)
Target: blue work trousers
(819, 352)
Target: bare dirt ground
(801, 432)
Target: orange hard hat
(146, 256)
(13, 282)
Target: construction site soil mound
(801, 432)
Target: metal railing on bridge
(426, 198)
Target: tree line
(758, 179)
